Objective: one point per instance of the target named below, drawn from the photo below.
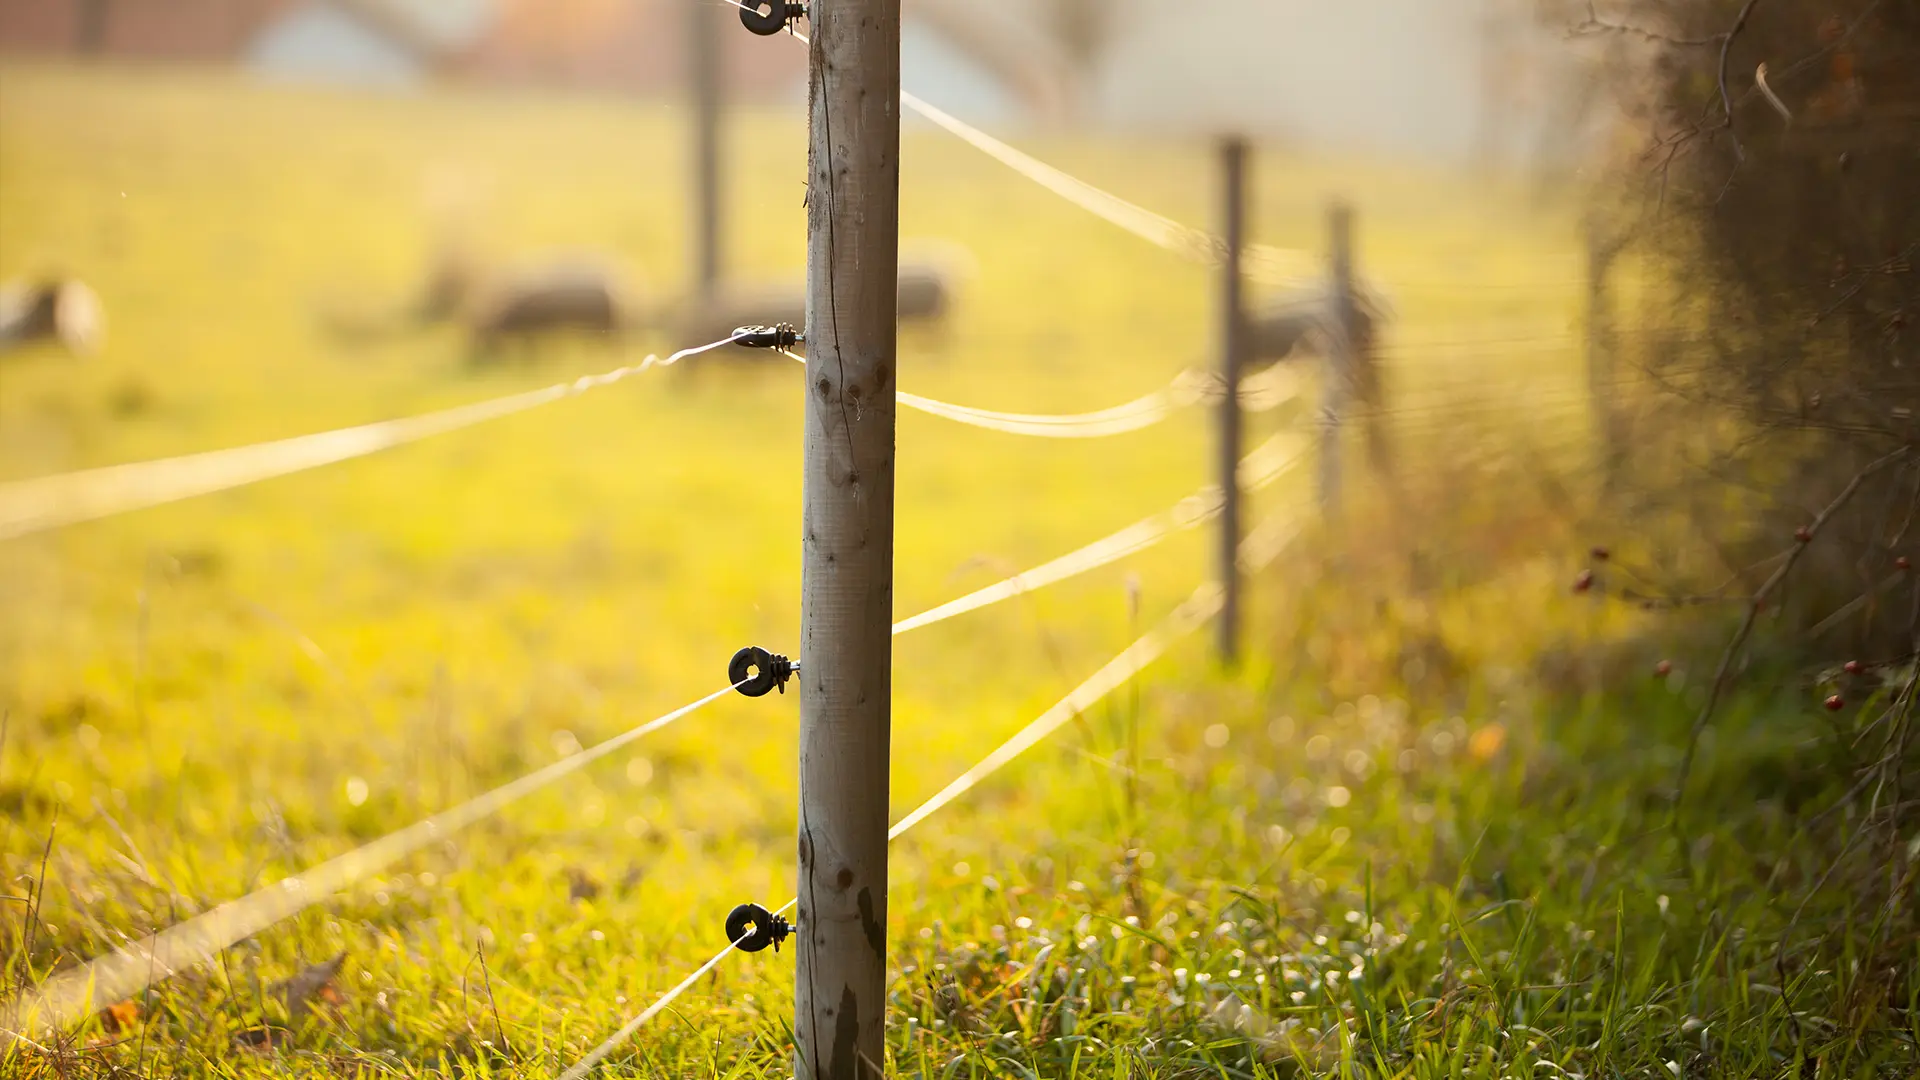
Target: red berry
(1803, 534)
(1601, 554)
(1835, 703)
(1855, 667)
(1663, 668)
(1583, 582)
(1903, 563)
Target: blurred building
(627, 46)
(366, 42)
(1408, 76)
(168, 30)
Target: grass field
(1330, 863)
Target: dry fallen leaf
(120, 1017)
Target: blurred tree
(1778, 188)
(1774, 199)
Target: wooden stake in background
(1367, 391)
(846, 605)
(1233, 347)
(704, 68)
(1340, 354)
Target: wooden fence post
(1362, 331)
(704, 68)
(1233, 338)
(846, 607)
(1340, 356)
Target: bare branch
(1826, 50)
(1724, 675)
(1595, 26)
(1726, 99)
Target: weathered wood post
(1233, 347)
(846, 607)
(1340, 354)
(1366, 388)
(704, 69)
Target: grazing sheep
(926, 293)
(62, 309)
(580, 296)
(502, 305)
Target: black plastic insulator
(753, 928)
(770, 671)
(777, 336)
(777, 16)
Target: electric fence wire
(1271, 265)
(1263, 263)
(1257, 470)
(72, 996)
(49, 502)
(1104, 681)
(1258, 393)
(1260, 548)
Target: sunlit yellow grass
(192, 688)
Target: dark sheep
(579, 297)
